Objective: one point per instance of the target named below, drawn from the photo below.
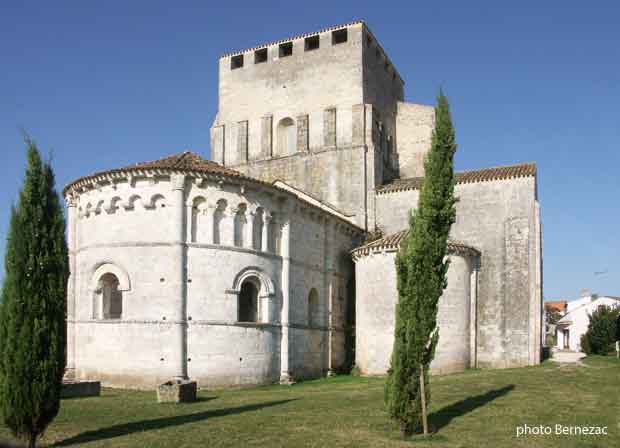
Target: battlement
(305, 42)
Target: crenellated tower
(322, 112)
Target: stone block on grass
(177, 391)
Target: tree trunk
(423, 397)
(32, 441)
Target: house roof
(556, 305)
(393, 242)
(567, 318)
(466, 177)
(188, 162)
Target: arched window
(111, 297)
(287, 137)
(248, 301)
(218, 215)
(240, 225)
(258, 229)
(198, 218)
(313, 308)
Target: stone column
(285, 374)
(209, 215)
(473, 313)
(248, 240)
(178, 284)
(266, 230)
(72, 216)
(330, 257)
(227, 227)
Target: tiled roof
(189, 162)
(393, 242)
(466, 177)
(557, 305)
(184, 161)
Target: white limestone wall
(180, 284)
(501, 218)
(305, 83)
(376, 300)
(414, 129)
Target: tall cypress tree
(421, 268)
(32, 314)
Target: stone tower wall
(502, 219)
(376, 300)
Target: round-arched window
(111, 297)
(248, 301)
(287, 138)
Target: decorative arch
(287, 136)
(257, 230)
(218, 216)
(131, 202)
(88, 209)
(98, 207)
(107, 285)
(313, 308)
(240, 223)
(113, 205)
(124, 283)
(266, 285)
(198, 219)
(157, 201)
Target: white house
(575, 322)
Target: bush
(585, 344)
(602, 331)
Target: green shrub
(585, 344)
(602, 331)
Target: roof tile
(466, 177)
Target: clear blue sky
(104, 84)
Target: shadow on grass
(161, 423)
(444, 416)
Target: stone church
(275, 260)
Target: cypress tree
(421, 269)
(32, 314)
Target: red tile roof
(393, 242)
(466, 177)
(188, 162)
(556, 305)
(184, 161)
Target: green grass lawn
(473, 409)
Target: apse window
(260, 56)
(339, 36)
(236, 62)
(248, 302)
(286, 49)
(311, 43)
